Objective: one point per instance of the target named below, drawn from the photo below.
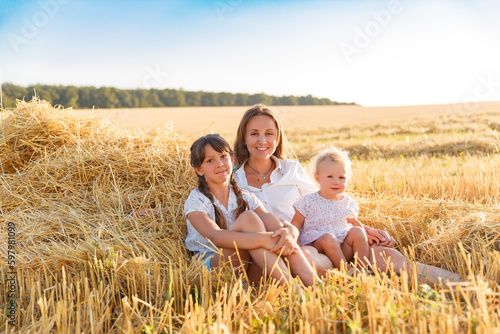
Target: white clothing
(289, 181)
(325, 216)
(198, 202)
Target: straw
(83, 264)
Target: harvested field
(83, 264)
(224, 120)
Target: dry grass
(84, 265)
(469, 179)
(475, 133)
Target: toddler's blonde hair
(336, 155)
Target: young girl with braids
(222, 216)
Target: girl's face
(261, 137)
(332, 179)
(217, 167)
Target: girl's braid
(242, 204)
(220, 220)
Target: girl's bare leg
(231, 256)
(248, 221)
(299, 265)
(302, 268)
(254, 273)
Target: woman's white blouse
(198, 202)
(289, 181)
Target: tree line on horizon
(87, 97)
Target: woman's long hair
(220, 145)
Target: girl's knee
(248, 215)
(271, 220)
(248, 221)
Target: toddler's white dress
(325, 216)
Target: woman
(261, 168)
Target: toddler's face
(332, 179)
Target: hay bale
(70, 183)
(36, 127)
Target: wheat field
(73, 259)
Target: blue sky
(376, 53)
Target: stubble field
(193, 121)
(83, 264)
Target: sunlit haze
(375, 53)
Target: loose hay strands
(470, 179)
(85, 265)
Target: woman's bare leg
(320, 262)
(386, 257)
(433, 275)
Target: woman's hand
(287, 243)
(379, 237)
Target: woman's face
(261, 137)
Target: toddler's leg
(356, 242)
(329, 245)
